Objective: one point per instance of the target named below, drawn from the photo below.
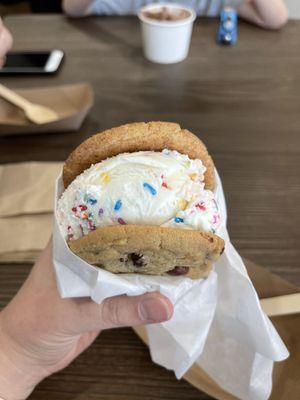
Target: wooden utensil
(281, 305)
(34, 112)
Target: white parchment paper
(217, 322)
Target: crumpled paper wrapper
(218, 322)
(70, 102)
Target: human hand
(40, 333)
(271, 14)
(6, 41)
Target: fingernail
(154, 310)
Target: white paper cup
(166, 42)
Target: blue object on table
(227, 33)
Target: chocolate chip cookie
(150, 250)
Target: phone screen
(26, 60)
(35, 62)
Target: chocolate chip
(122, 259)
(179, 271)
(137, 259)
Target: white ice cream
(146, 188)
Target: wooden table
(244, 102)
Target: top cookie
(138, 136)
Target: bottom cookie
(151, 250)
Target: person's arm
(269, 14)
(77, 8)
(5, 42)
(40, 333)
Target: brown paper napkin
(26, 207)
(26, 188)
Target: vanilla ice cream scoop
(142, 188)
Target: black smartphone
(32, 62)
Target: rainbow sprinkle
(82, 207)
(150, 188)
(216, 204)
(201, 206)
(182, 204)
(91, 201)
(91, 226)
(70, 234)
(178, 220)
(101, 211)
(121, 221)
(193, 176)
(216, 219)
(164, 183)
(118, 205)
(105, 177)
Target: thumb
(128, 311)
